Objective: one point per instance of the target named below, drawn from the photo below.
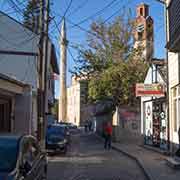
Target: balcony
(174, 26)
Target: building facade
(76, 101)
(19, 62)
(173, 47)
(154, 122)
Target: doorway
(5, 115)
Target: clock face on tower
(140, 28)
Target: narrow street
(87, 160)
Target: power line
(66, 11)
(81, 28)
(116, 12)
(97, 13)
(78, 8)
(20, 11)
(15, 6)
(89, 32)
(68, 8)
(71, 55)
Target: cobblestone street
(87, 160)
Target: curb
(163, 152)
(148, 176)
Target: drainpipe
(167, 81)
(167, 68)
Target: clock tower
(143, 32)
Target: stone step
(155, 149)
(173, 163)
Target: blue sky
(89, 7)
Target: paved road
(87, 160)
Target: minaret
(63, 64)
(143, 33)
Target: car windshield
(59, 130)
(8, 153)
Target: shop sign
(156, 90)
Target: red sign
(156, 90)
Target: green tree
(32, 14)
(55, 109)
(110, 62)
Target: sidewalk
(153, 163)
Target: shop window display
(159, 125)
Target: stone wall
(129, 126)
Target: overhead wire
(97, 13)
(20, 11)
(66, 11)
(78, 8)
(74, 59)
(15, 6)
(87, 31)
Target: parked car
(56, 138)
(69, 125)
(72, 128)
(21, 158)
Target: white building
(76, 99)
(173, 46)
(154, 124)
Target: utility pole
(46, 40)
(42, 95)
(63, 68)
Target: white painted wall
(173, 64)
(73, 103)
(14, 37)
(150, 78)
(173, 69)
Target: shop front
(155, 123)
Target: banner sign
(144, 90)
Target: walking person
(108, 136)
(86, 126)
(90, 125)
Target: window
(176, 108)
(174, 92)
(141, 11)
(140, 36)
(175, 114)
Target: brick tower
(143, 33)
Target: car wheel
(65, 150)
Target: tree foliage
(31, 15)
(110, 62)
